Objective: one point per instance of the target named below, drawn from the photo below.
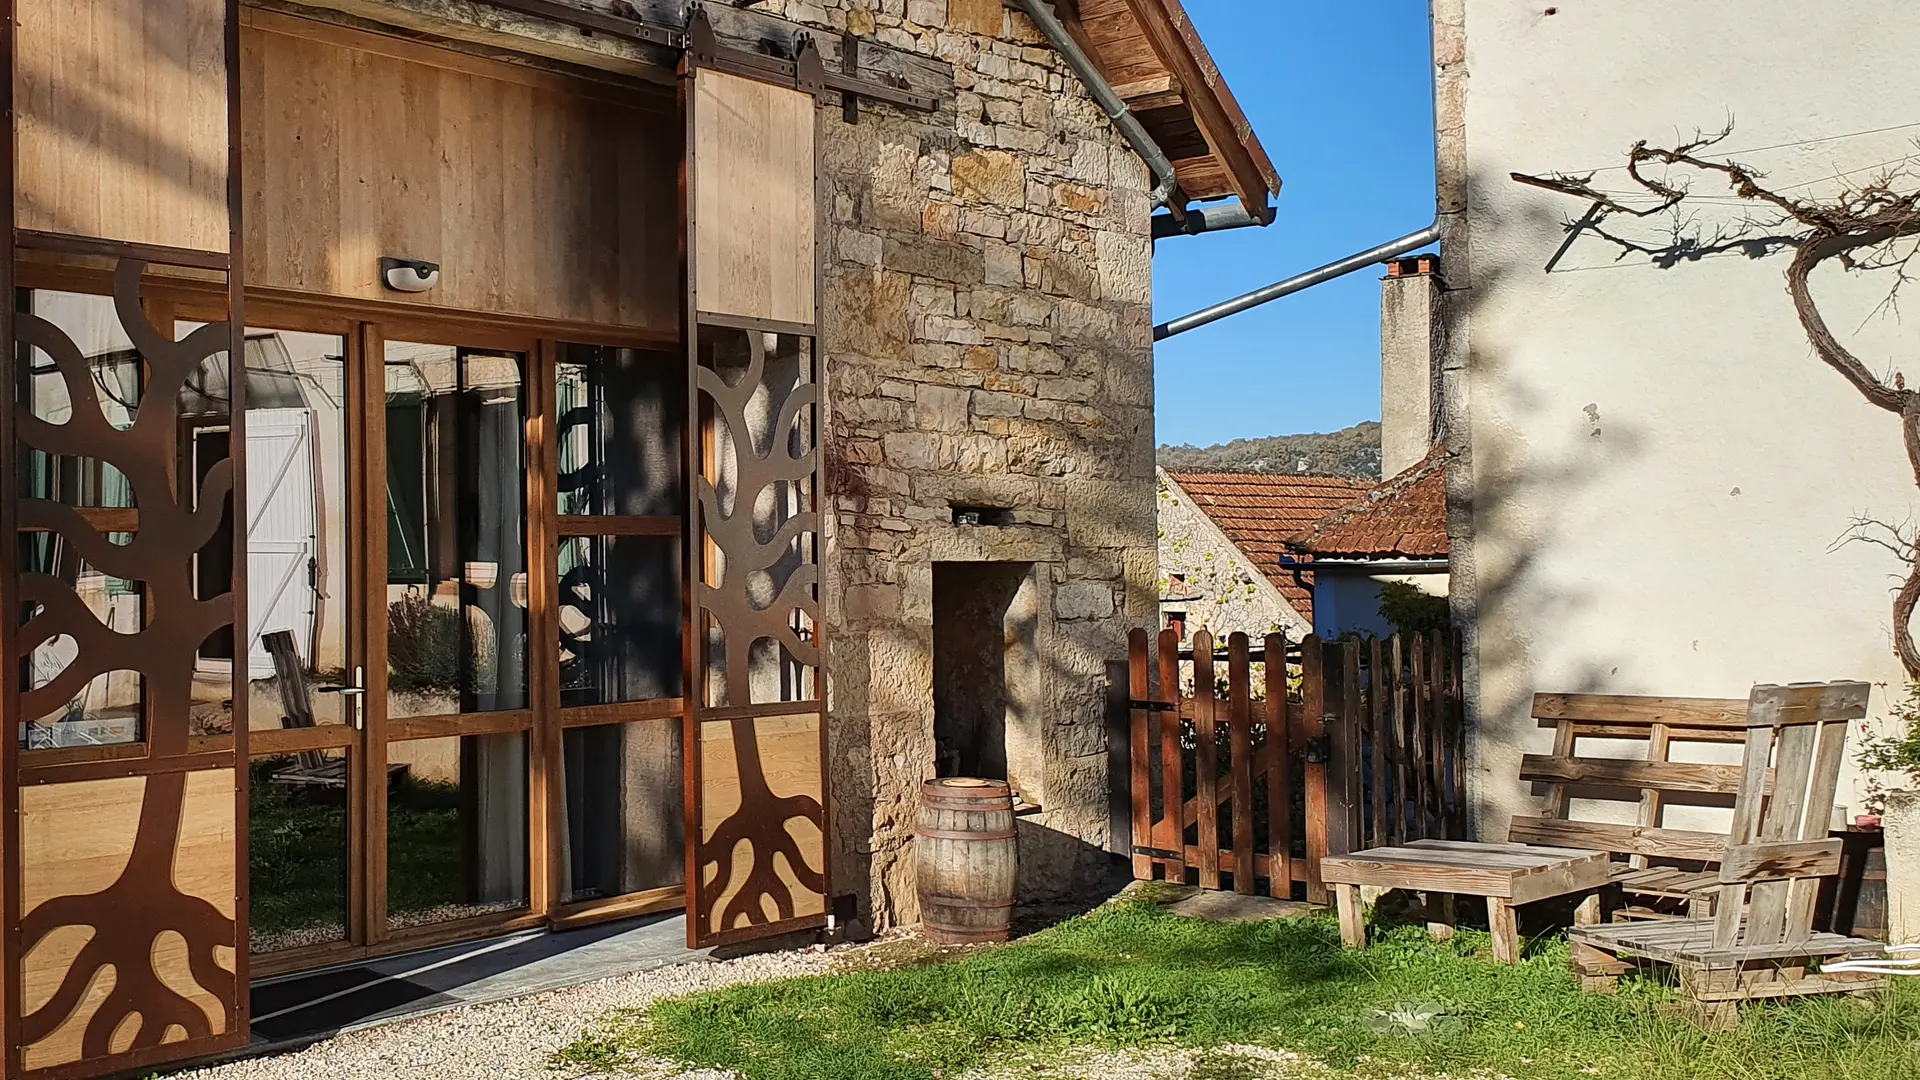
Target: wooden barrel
(964, 852)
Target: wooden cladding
(537, 195)
(121, 120)
(754, 212)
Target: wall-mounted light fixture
(409, 275)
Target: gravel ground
(509, 1040)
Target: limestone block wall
(1222, 591)
(987, 332)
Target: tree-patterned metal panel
(756, 745)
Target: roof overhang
(1150, 52)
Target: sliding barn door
(120, 463)
(757, 791)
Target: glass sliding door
(619, 495)
(456, 704)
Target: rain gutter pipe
(1390, 249)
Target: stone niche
(989, 686)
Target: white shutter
(281, 540)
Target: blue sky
(1341, 95)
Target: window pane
(297, 850)
(456, 531)
(456, 828)
(626, 813)
(619, 431)
(619, 619)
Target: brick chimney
(1409, 298)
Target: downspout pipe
(1166, 184)
(1360, 261)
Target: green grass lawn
(1132, 975)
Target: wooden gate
(1246, 774)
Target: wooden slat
(1172, 832)
(1377, 692)
(1139, 725)
(1780, 822)
(1422, 782)
(1625, 839)
(1652, 800)
(1308, 717)
(1457, 719)
(1613, 772)
(1279, 760)
(1347, 830)
(619, 525)
(1205, 763)
(438, 727)
(277, 742)
(1240, 716)
(1402, 742)
(1762, 710)
(1442, 736)
(755, 214)
(1642, 709)
(1775, 860)
(1821, 787)
(623, 712)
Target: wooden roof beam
(1228, 134)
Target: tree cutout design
(760, 822)
(767, 461)
(127, 919)
(129, 916)
(758, 508)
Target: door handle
(358, 692)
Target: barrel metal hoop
(963, 902)
(963, 834)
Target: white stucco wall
(1660, 468)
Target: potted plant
(1894, 757)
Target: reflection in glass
(619, 431)
(456, 531)
(108, 707)
(456, 828)
(619, 619)
(297, 850)
(625, 824)
(297, 524)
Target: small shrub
(423, 646)
(1412, 611)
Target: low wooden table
(1506, 874)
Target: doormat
(328, 1001)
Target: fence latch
(1319, 750)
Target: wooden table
(1507, 875)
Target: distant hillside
(1353, 451)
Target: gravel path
(509, 1040)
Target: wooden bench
(1760, 941)
(1668, 872)
(1657, 867)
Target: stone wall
(1222, 592)
(988, 339)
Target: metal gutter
(1317, 276)
(1208, 219)
(1371, 566)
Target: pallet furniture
(1507, 875)
(1760, 942)
(1660, 868)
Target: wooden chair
(1760, 941)
(1662, 872)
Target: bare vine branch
(1864, 228)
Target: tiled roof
(1260, 512)
(1403, 518)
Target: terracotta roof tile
(1403, 518)
(1261, 512)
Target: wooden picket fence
(1330, 747)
